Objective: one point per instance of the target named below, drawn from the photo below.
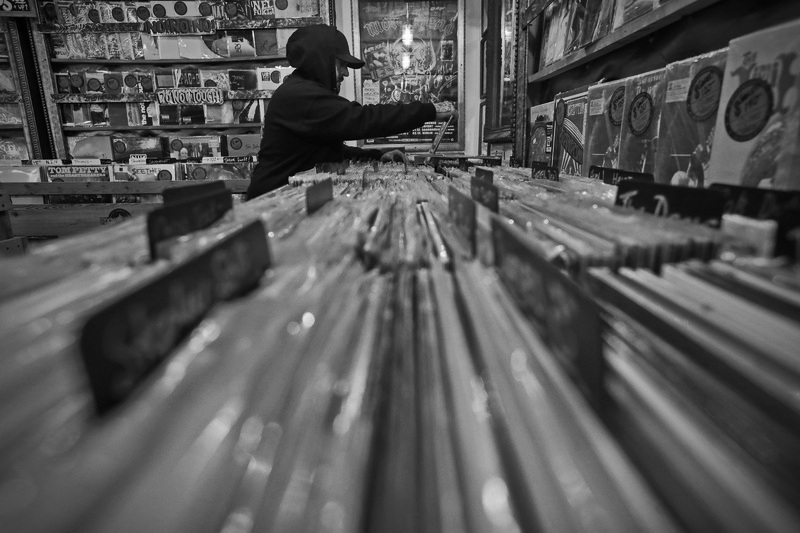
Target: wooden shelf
(170, 127)
(132, 27)
(92, 98)
(109, 187)
(646, 24)
(180, 61)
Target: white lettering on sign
(190, 95)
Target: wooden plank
(169, 127)
(5, 218)
(69, 219)
(13, 246)
(110, 187)
(634, 30)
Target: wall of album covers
(178, 80)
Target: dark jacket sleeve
(360, 154)
(328, 116)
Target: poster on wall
(411, 53)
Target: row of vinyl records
(379, 377)
(730, 116)
(570, 25)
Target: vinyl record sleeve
(570, 110)
(540, 133)
(644, 100)
(606, 104)
(758, 106)
(686, 132)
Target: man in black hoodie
(307, 121)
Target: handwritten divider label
(564, 315)
(47, 162)
(613, 176)
(462, 211)
(765, 204)
(484, 174)
(125, 341)
(318, 195)
(543, 171)
(187, 26)
(190, 96)
(182, 218)
(216, 160)
(87, 162)
(703, 206)
(182, 193)
(137, 159)
(485, 194)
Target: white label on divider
(48, 162)
(86, 162)
(678, 90)
(596, 107)
(137, 159)
(213, 160)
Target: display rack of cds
(167, 80)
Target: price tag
(318, 195)
(122, 343)
(613, 176)
(543, 171)
(765, 204)
(567, 318)
(462, 211)
(703, 206)
(484, 174)
(182, 218)
(137, 159)
(87, 162)
(485, 194)
(213, 160)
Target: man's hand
(445, 110)
(394, 156)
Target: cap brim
(352, 61)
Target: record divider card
(566, 317)
(703, 206)
(124, 341)
(318, 195)
(178, 218)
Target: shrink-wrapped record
(688, 119)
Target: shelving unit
(61, 26)
(673, 31)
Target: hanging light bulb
(408, 31)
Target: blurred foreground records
(588, 368)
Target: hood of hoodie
(312, 51)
